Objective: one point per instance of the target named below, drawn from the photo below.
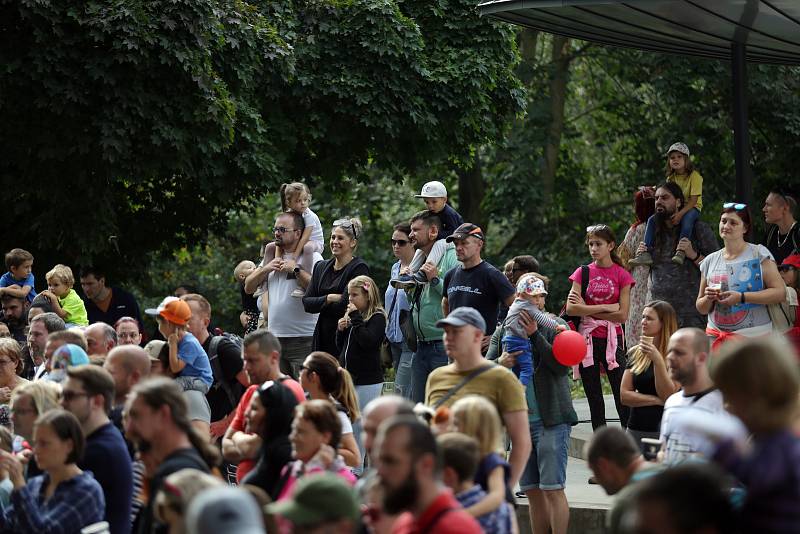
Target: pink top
(605, 285)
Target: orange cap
(173, 310)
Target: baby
(530, 298)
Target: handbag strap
(464, 382)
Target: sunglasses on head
(346, 223)
(735, 205)
(597, 228)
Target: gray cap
(463, 316)
(225, 509)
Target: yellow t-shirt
(499, 385)
(691, 186)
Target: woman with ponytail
(603, 310)
(324, 379)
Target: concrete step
(588, 503)
(582, 432)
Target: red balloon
(569, 348)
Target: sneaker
(641, 259)
(404, 281)
(298, 293)
(679, 257)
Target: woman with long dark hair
(602, 313)
(270, 416)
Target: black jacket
(329, 314)
(359, 348)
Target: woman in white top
(738, 281)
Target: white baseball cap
(432, 190)
(679, 147)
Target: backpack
(572, 320)
(235, 390)
(784, 314)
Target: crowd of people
(289, 427)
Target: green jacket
(426, 303)
(550, 378)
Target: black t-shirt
(230, 360)
(249, 302)
(482, 287)
(780, 245)
(122, 304)
(180, 459)
(645, 418)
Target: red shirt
(238, 421)
(443, 516)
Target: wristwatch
(296, 270)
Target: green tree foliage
(133, 126)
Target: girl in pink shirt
(602, 313)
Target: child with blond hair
(65, 300)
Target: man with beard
(15, 316)
(88, 394)
(687, 362)
(678, 284)
(426, 303)
(286, 316)
(158, 423)
(409, 469)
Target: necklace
(780, 244)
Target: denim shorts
(547, 466)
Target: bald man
(100, 338)
(376, 412)
(128, 364)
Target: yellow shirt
(691, 186)
(498, 385)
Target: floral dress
(640, 291)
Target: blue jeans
(524, 366)
(430, 355)
(687, 226)
(547, 465)
(401, 361)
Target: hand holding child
(429, 270)
(676, 218)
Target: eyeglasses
(306, 368)
(399, 242)
(282, 229)
(734, 205)
(346, 223)
(72, 395)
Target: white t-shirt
(347, 426)
(743, 273)
(311, 220)
(287, 318)
(680, 438)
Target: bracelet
(742, 297)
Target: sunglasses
(346, 223)
(282, 229)
(735, 205)
(399, 242)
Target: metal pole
(741, 135)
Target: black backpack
(235, 390)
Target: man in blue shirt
(89, 393)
